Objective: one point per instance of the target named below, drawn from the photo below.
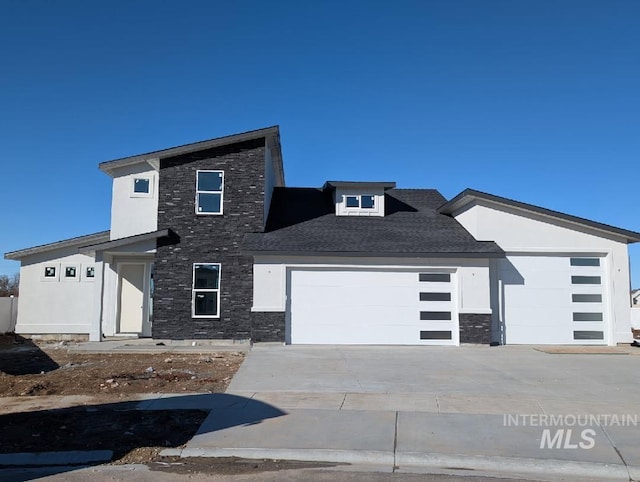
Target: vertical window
(206, 290)
(91, 272)
(209, 190)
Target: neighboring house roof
(470, 195)
(94, 238)
(303, 220)
(272, 134)
(358, 185)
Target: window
(587, 317)
(435, 315)
(364, 201)
(141, 186)
(588, 335)
(585, 280)
(435, 296)
(353, 202)
(49, 271)
(435, 277)
(435, 335)
(586, 298)
(209, 190)
(90, 272)
(70, 272)
(206, 290)
(585, 262)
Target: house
(206, 242)
(635, 297)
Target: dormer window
(359, 198)
(364, 201)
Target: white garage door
(553, 300)
(372, 307)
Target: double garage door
(553, 300)
(373, 307)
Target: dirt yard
(111, 421)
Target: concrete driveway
(509, 379)
(472, 408)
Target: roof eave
(65, 243)
(154, 157)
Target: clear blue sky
(533, 100)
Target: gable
(515, 229)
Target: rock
(149, 370)
(168, 360)
(109, 381)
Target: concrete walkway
(507, 410)
(148, 345)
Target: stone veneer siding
(211, 239)
(475, 328)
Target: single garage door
(373, 307)
(553, 300)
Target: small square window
(49, 271)
(90, 272)
(367, 202)
(70, 272)
(353, 202)
(141, 185)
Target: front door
(132, 296)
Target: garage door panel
(366, 307)
(538, 305)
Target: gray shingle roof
(303, 220)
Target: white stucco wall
(270, 277)
(57, 306)
(133, 213)
(521, 232)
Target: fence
(8, 313)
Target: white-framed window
(70, 272)
(50, 272)
(141, 186)
(206, 290)
(88, 272)
(360, 201)
(209, 192)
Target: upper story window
(363, 201)
(354, 198)
(141, 186)
(209, 192)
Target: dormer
(353, 198)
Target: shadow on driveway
(124, 426)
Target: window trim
(56, 277)
(141, 194)
(221, 192)
(195, 290)
(359, 207)
(63, 272)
